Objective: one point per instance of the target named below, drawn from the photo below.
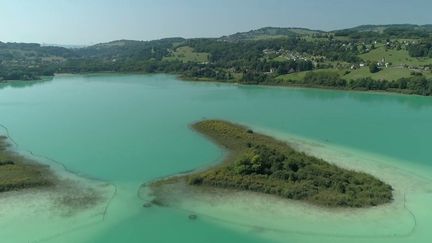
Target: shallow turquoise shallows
(131, 129)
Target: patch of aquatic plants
(18, 173)
(263, 164)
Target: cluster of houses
(364, 47)
(290, 55)
(381, 64)
(357, 66)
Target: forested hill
(271, 32)
(392, 31)
(382, 57)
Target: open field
(390, 74)
(299, 76)
(395, 57)
(187, 54)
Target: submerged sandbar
(259, 163)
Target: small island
(262, 164)
(17, 172)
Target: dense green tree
(373, 67)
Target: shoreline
(294, 86)
(191, 79)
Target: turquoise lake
(127, 130)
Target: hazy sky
(93, 21)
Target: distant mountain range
(64, 46)
(381, 28)
(274, 32)
(409, 30)
(271, 32)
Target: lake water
(127, 130)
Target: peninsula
(262, 164)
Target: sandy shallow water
(276, 218)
